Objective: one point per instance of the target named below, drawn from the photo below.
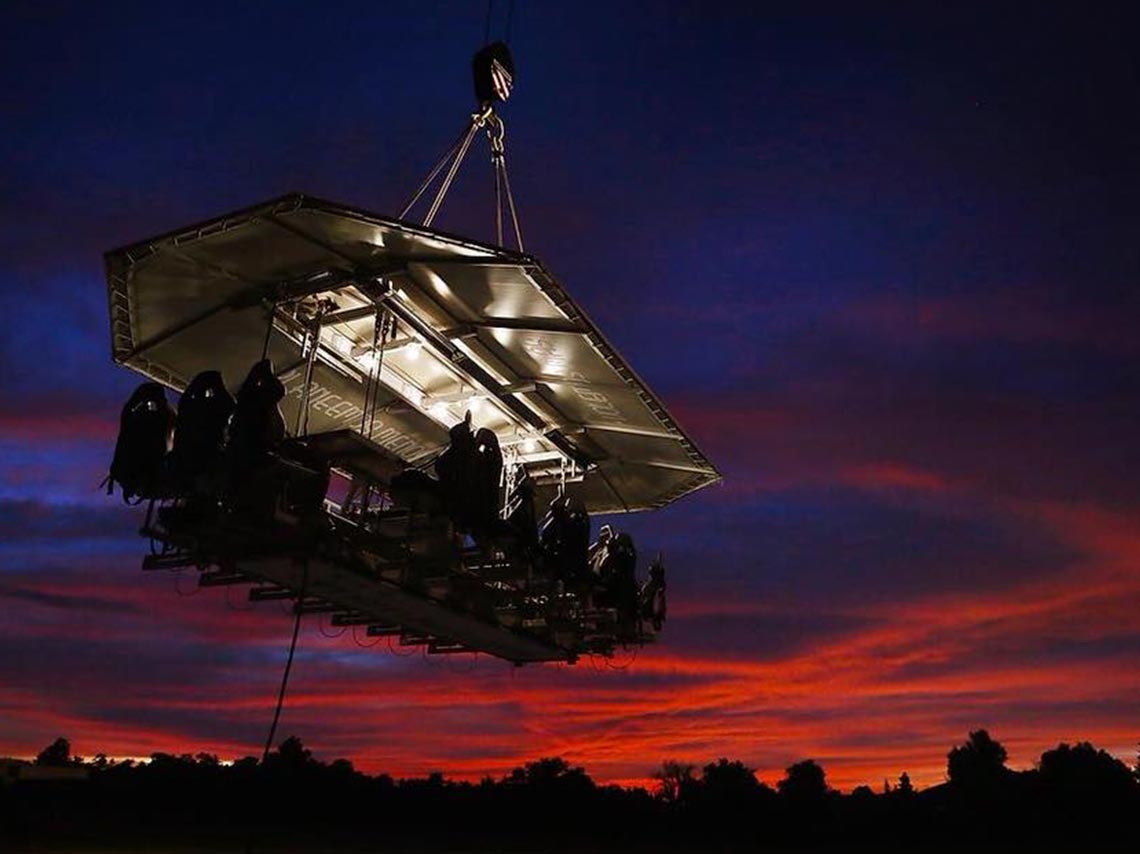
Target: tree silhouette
(905, 787)
(729, 779)
(980, 762)
(549, 772)
(728, 786)
(1082, 771)
(291, 756)
(1076, 794)
(804, 781)
(55, 754)
(674, 780)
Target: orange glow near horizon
(893, 693)
(873, 653)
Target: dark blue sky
(881, 260)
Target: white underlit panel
(479, 329)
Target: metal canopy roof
(479, 328)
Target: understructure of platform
(401, 581)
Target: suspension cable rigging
(493, 72)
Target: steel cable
(288, 662)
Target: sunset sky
(883, 267)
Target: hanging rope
(382, 330)
(309, 347)
(356, 640)
(628, 662)
(328, 634)
(178, 573)
(230, 602)
(299, 610)
(370, 378)
(392, 650)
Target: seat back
(145, 427)
(483, 503)
(257, 426)
(204, 412)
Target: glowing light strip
(336, 349)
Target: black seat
(469, 472)
(257, 427)
(564, 538)
(417, 491)
(145, 427)
(615, 563)
(520, 513)
(204, 412)
(482, 504)
(651, 597)
(454, 467)
(304, 476)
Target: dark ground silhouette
(1077, 795)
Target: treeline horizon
(1075, 791)
(669, 778)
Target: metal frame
(523, 396)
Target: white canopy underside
(478, 328)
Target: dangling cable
(178, 586)
(380, 337)
(356, 640)
(370, 379)
(387, 330)
(230, 602)
(392, 650)
(321, 629)
(310, 346)
(288, 662)
(629, 661)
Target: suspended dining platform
(386, 336)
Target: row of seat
(604, 570)
(216, 445)
(212, 444)
(466, 485)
